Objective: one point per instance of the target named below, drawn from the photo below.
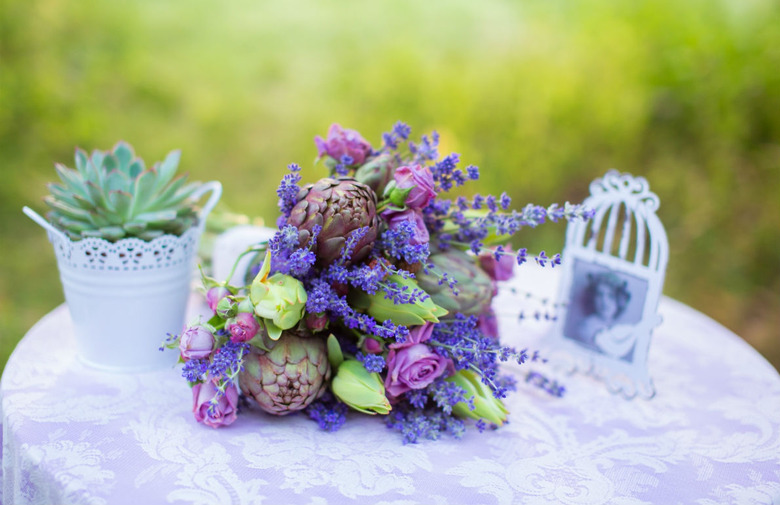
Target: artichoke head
(341, 207)
(474, 288)
(288, 377)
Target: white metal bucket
(124, 297)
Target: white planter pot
(124, 297)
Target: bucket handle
(216, 192)
(44, 223)
(214, 186)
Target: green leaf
(137, 167)
(134, 227)
(121, 201)
(73, 182)
(118, 181)
(150, 235)
(156, 218)
(84, 203)
(112, 233)
(60, 193)
(110, 162)
(67, 210)
(75, 226)
(82, 163)
(97, 195)
(124, 155)
(167, 169)
(175, 199)
(144, 192)
(335, 356)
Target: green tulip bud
(360, 389)
(407, 314)
(486, 406)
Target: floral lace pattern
(710, 436)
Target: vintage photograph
(605, 307)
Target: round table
(710, 435)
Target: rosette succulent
(288, 377)
(474, 287)
(341, 207)
(112, 195)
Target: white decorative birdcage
(625, 248)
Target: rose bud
(317, 322)
(221, 414)
(413, 186)
(227, 308)
(243, 327)
(214, 295)
(343, 142)
(196, 343)
(372, 346)
(498, 266)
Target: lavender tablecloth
(711, 435)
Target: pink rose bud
(488, 324)
(317, 322)
(419, 179)
(371, 346)
(243, 327)
(222, 413)
(499, 269)
(196, 343)
(343, 142)
(214, 295)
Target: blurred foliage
(543, 95)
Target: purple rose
(414, 217)
(420, 179)
(196, 343)
(225, 410)
(342, 141)
(214, 295)
(499, 269)
(413, 367)
(417, 335)
(243, 327)
(488, 324)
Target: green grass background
(543, 95)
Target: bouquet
(374, 295)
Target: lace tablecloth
(711, 435)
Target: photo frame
(613, 273)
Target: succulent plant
(340, 206)
(288, 377)
(112, 195)
(474, 287)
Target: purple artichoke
(474, 287)
(341, 207)
(288, 377)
